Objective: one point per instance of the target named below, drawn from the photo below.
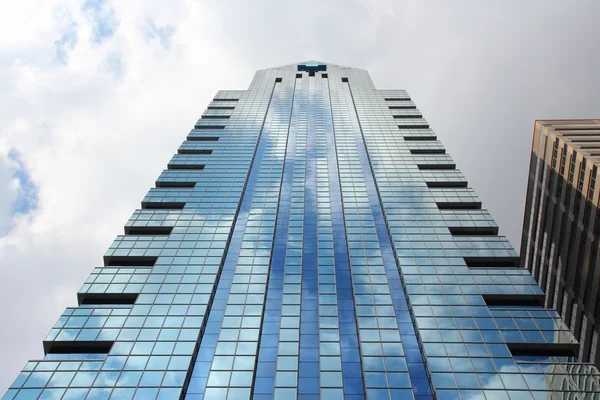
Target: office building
(311, 239)
(562, 225)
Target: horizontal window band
(532, 300)
(78, 347)
(448, 185)
(397, 99)
(215, 116)
(167, 184)
(220, 108)
(428, 167)
(414, 126)
(492, 262)
(148, 230)
(107, 298)
(214, 127)
(185, 166)
(406, 107)
(76, 357)
(459, 205)
(130, 261)
(202, 138)
(408, 116)
(163, 205)
(579, 128)
(195, 151)
(474, 230)
(428, 151)
(544, 349)
(225, 99)
(144, 268)
(419, 138)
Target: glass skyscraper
(311, 239)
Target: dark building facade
(311, 239)
(561, 227)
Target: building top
(314, 65)
(571, 148)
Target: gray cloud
(92, 131)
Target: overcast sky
(96, 96)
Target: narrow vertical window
(592, 183)
(572, 169)
(554, 153)
(581, 175)
(563, 159)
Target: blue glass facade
(311, 239)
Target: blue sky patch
(65, 44)
(103, 19)
(162, 33)
(27, 195)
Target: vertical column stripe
(412, 348)
(308, 378)
(264, 381)
(383, 361)
(350, 350)
(206, 354)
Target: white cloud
(89, 122)
(96, 99)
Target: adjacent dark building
(311, 239)
(561, 228)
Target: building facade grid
(311, 239)
(561, 225)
